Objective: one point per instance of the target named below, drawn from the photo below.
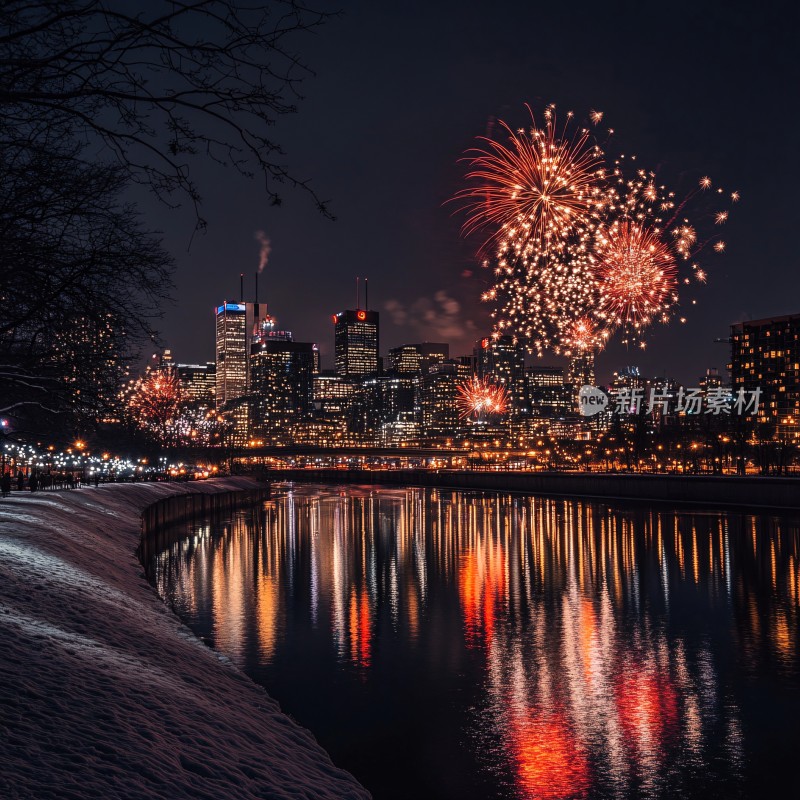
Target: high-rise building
(236, 325)
(627, 378)
(664, 393)
(711, 381)
(402, 431)
(198, 382)
(502, 360)
(382, 399)
(232, 353)
(334, 398)
(356, 342)
(765, 356)
(438, 399)
(281, 388)
(414, 359)
(581, 369)
(333, 394)
(548, 394)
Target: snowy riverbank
(103, 693)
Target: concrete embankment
(707, 490)
(103, 692)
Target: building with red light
(356, 342)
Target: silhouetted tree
(82, 282)
(158, 86)
(96, 95)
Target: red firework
(636, 274)
(156, 398)
(584, 335)
(541, 183)
(479, 397)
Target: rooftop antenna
(241, 286)
(366, 293)
(357, 292)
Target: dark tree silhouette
(96, 95)
(81, 281)
(157, 85)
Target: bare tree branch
(162, 87)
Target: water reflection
(583, 650)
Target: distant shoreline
(727, 491)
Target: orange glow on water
(582, 690)
(549, 764)
(482, 585)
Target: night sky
(401, 91)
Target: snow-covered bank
(103, 693)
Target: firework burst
(585, 335)
(154, 400)
(537, 187)
(637, 276)
(582, 246)
(479, 398)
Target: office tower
(236, 325)
(580, 371)
(414, 359)
(502, 360)
(333, 397)
(281, 389)
(627, 378)
(438, 399)
(404, 430)
(469, 360)
(232, 353)
(333, 394)
(166, 361)
(664, 393)
(765, 355)
(711, 381)
(356, 342)
(198, 382)
(548, 394)
(382, 399)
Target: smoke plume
(266, 249)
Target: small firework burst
(480, 398)
(154, 399)
(585, 335)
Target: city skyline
(399, 197)
(600, 376)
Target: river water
(463, 645)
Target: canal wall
(715, 491)
(164, 522)
(104, 692)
